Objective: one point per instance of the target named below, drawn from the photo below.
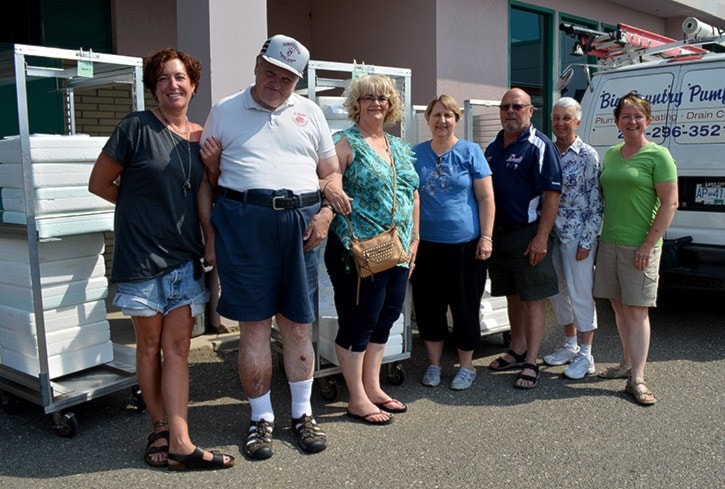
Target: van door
(698, 146)
(599, 129)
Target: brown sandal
(642, 395)
(620, 371)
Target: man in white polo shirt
(276, 154)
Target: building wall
(142, 26)
(399, 34)
(458, 47)
(226, 36)
(472, 53)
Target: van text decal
(695, 94)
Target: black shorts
(510, 271)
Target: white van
(686, 88)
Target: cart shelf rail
(79, 69)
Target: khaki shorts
(615, 276)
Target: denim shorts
(176, 288)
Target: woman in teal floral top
(367, 155)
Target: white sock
(262, 408)
(301, 393)
(585, 349)
(570, 342)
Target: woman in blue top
(456, 222)
(373, 164)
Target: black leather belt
(512, 228)
(276, 199)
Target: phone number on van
(702, 131)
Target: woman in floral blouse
(576, 229)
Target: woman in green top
(639, 185)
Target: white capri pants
(574, 303)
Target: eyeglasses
(516, 107)
(436, 179)
(381, 99)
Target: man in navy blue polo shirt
(527, 187)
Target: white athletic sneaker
(580, 367)
(561, 356)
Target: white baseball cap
(286, 52)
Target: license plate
(710, 194)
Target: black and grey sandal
(195, 461)
(503, 364)
(529, 378)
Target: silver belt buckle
(274, 202)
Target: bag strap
(395, 192)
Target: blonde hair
(373, 85)
(446, 101)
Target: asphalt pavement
(563, 433)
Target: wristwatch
(329, 206)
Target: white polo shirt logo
(300, 119)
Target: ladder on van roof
(631, 45)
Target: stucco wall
(472, 48)
(401, 34)
(226, 38)
(142, 26)
(458, 47)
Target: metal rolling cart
(337, 77)
(76, 70)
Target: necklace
(186, 177)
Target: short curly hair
(374, 85)
(154, 62)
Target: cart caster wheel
(66, 424)
(137, 398)
(329, 389)
(10, 404)
(396, 374)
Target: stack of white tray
(73, 289)
(60, 167)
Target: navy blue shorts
(262, 267)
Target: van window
(657, 88)
(702, 112)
